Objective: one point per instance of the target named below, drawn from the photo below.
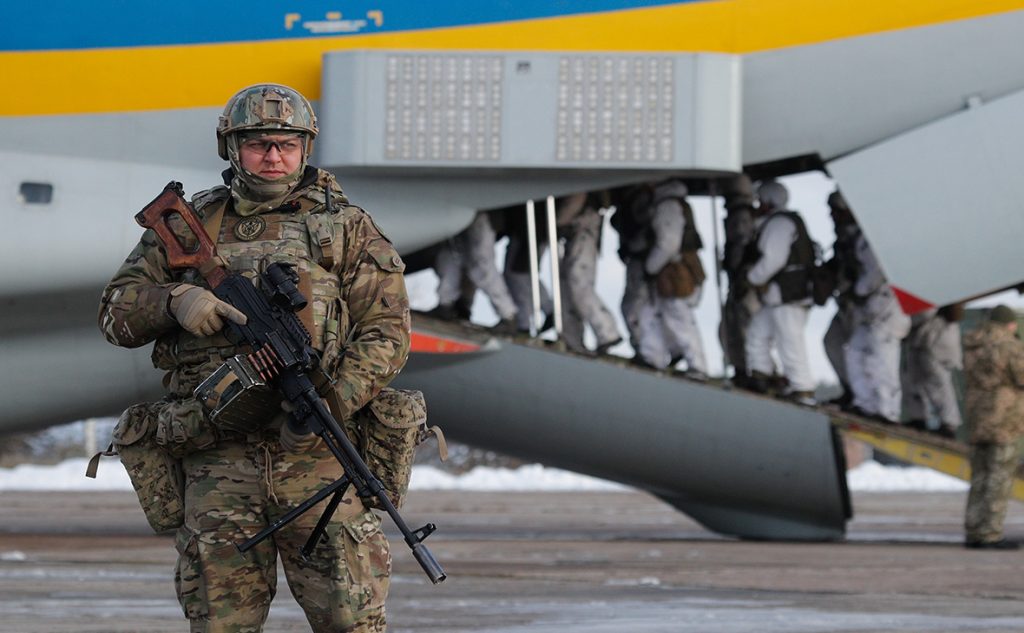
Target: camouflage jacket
(994, 372)
(358, 313)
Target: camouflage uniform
(737, 312)
(471, 252)
(517, 269)
(994, 405)
(668, 325)
(873, 351)
(845, 267)
(778, 324)
(632, 221)
(241, 482)
(582, 224)
(932, 352)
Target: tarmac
(548, 561)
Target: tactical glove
(199, 311)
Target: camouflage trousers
(472, 253)
(237, 488)
(520, 286)
(634, 296)
(839, 332)
(992, 470)
(581, 306)
(732, 332)
(928, 383)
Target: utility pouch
(335, 327)
(236, 398)
(680, 278)
(823, 284)
(158, 477)
(182, 428)
(794, 283)
(321, 234)
(386, 432)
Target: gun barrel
(428, 563)
(360, 476)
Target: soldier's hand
(200, 312)
(297, 442)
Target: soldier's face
(272, 156)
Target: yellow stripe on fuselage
(172, 77)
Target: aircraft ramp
(914, 447)
(741, 464)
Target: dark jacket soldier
(994, 403)
(275, 208)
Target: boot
(603, 348)
(843, 400)
(803, 398)
(1002, 544)
(446, 312)
(695, 374)
(505, 327)
(759, 382)
(917, 425)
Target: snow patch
(70, 475)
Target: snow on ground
(70, 475)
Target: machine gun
(284, 359)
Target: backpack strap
(94, 461)
(442, 445)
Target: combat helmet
(773, 194)
(266, 108)
(837, 201)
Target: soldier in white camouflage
(994, 404)
(579, 221)
(274, 208)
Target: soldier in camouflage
(932, 353)
(274, 208)
(668, 324)
(580, 221)
(994, 403)
(741, 301)
(845, 269)
(470, 254)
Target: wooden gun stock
(156, 214)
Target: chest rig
(302, 233)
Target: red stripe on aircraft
(436, 345)
(911, 304)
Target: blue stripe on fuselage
(81, 24)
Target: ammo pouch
(680, 278)
(823, 284)
(156, 475)
(794, 283)
(386, 433)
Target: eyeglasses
(263, 146)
